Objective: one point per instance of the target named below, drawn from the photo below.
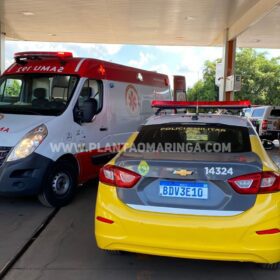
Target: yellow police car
(195, 186)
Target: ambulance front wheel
(60, 186)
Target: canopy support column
(229, 52)
(2, 48)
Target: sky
(178, 60)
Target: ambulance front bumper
(24, 176)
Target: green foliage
(205, 89)
(260, 79)
(13, 89)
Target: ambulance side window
(2, 87)
(92, 89)
(10, 90)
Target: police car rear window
(193, 138)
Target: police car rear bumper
(25, 176)
(232, 238)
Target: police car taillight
(255, 183)
(118, 176)
(33, 55)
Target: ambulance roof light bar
(37, 55)
(229, 105)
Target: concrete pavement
(66, 249)
(19, 219)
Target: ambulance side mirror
(89, 110)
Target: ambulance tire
(61, 184)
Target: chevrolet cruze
(195, 186)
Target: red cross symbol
(132, 99)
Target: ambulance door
(92, 136)
(95, 132)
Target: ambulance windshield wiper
(19, 111)
(30, 112)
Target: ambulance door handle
(103, 129)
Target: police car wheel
(269, 266)
(60, 186)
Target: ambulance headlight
(28, 143)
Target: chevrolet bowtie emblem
(183, 172)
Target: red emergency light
(33, 55)
(201, 104)
(102, 70)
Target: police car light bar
(229, 105)
(201, 104)
(32, 55)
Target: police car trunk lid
(188, 183)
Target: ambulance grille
(4, 151)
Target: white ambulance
(62, 117)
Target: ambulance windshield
(35, 94)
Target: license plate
(195, 190)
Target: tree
(13, 89)
(205, 89)
(260, 79)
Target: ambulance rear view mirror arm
(77, 114)
(89, 109)
(85, 113)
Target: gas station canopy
(256, 23)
